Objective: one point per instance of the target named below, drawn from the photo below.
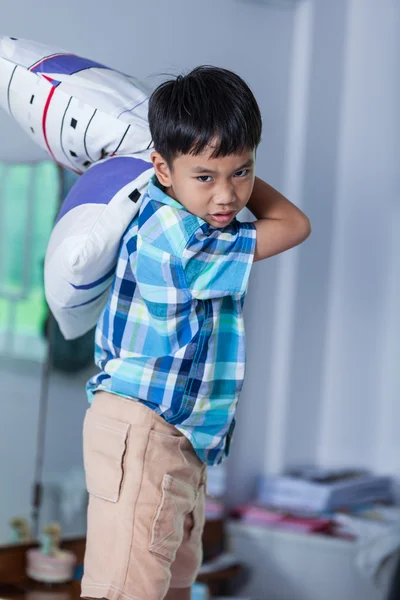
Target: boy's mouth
(223, 217)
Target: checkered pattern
(172, 333)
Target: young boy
(170, 344)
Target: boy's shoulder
(166, 225)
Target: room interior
(323, 327)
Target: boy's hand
(280, 225)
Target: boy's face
(214, 189)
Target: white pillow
(83, 247)
(92, 120)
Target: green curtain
(29, 199)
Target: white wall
(19, 397)
(145, 39)
(358, 393)
(324, 382)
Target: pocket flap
(104, 447)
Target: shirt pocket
(104, 447)
(177, 501)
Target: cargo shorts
(146, 503)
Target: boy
(170, 343)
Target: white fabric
(377, 542)
(83, 249)
(91, 119)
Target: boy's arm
(280, 225)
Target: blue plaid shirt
(172, 333)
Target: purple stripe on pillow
(132, 109)
(67, 64)
(89, 286)
(84, 303)
(101, 182)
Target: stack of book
(322, 491)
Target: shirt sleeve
(217, 262)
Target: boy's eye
(205, 178)
(242, 173)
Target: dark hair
(207, 105)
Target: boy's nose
(225, 198)
(225, 203)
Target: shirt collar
(157, 192)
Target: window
(29, 201)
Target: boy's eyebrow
(202, 170)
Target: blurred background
(323, 322)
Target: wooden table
(29, 590)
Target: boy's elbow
(307, 227)
(303, 228)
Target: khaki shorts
(146, 503)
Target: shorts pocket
(177, 501)
(104, 446)
(199, 515)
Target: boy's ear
(161, 169)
